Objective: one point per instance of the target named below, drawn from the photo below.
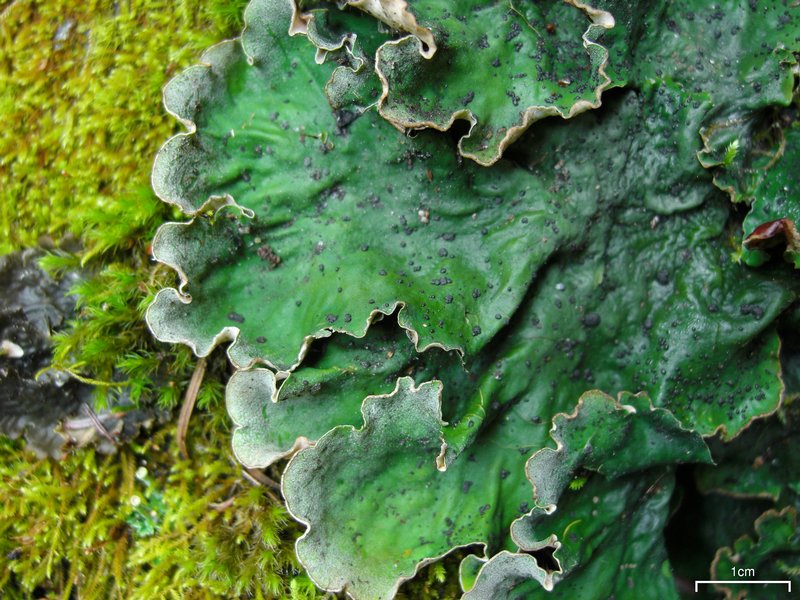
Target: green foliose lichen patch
(326, 229)
(498, 66)
(345, 259)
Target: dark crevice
(545, 558)
(700, 524)
(458, 130)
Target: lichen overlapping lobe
(536, 69)
(342, 230)
(676, 329)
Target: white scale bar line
(749, 581)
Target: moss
(108, 344)
(82, 106)
(144, 524)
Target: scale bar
(747, 581)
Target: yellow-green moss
(147, 524)
(143, 523)
(81, 103)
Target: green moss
(144, 524)
(82, 107)
(108, 343)
(81, 103)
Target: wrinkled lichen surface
(500, 279)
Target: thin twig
(98, 424)
(188, 405)
(259, 478)
(76, 423)
(778, 153)
(263, 479)
(220, 506)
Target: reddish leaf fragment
(770, 234)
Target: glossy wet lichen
(596, 255)
(609, 266)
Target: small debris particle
(476, 331)
(591, 320)
(752, 309)
(331, 318)
(514, 32)
(268, 254)
(235, 317)
(261, 339)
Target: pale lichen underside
(601, 426)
